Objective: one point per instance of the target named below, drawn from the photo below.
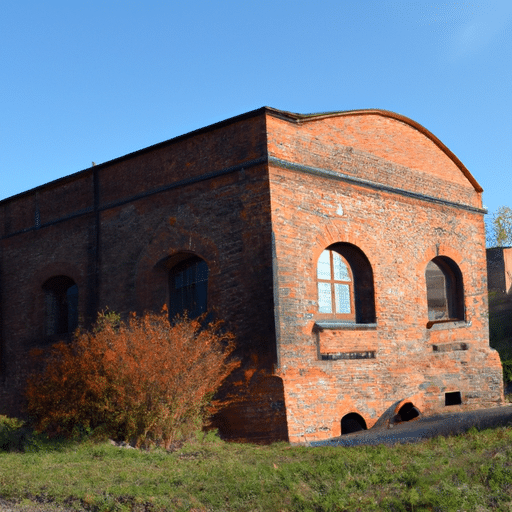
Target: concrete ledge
(340, 324)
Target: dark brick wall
(112, 227)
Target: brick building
(345, 250)
(499, 269)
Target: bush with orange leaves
(147, 381)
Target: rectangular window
(324, 298)
(342, 298)
(323, 269)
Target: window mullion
(333, 292)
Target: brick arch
(332, 235)
(361, 267)
(348, 407)
(444, 250)
(59, 268)
(151, 273)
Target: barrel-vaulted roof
(304, 118)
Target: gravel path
(423, 428)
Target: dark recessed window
(61, 306)
(445, 295)
(188, 288)
(453, 398)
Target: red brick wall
(357, 145)
(399, 235)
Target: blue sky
(91, 81)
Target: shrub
(12, 433)
(145, 381)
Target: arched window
(445, 292)
(61, 306)
(335, 286)
(345, 285)
(188, 288)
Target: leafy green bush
(507, 370)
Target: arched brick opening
(352, 422)
(445, 291)
(60, 306)
(188, 285)
(364, 293)
(408, 412)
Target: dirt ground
(9, 506)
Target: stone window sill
(450, 324)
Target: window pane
(340, 269)
(61, 305)
(72, 298)
(189, 288)
(201, 272)
(342, 297)
(51, 313)
(436, 292)
(323, 269)
(324, 298)
(200, 295)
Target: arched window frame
(60, 306)
(445, 291)
(362, 291)
(188, 287)
(335, 287)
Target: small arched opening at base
(352, 422)
(408, 412)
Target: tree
(499, 228)
(146, 381)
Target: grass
(467, 472)
(470, 472)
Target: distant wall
(499, 269)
